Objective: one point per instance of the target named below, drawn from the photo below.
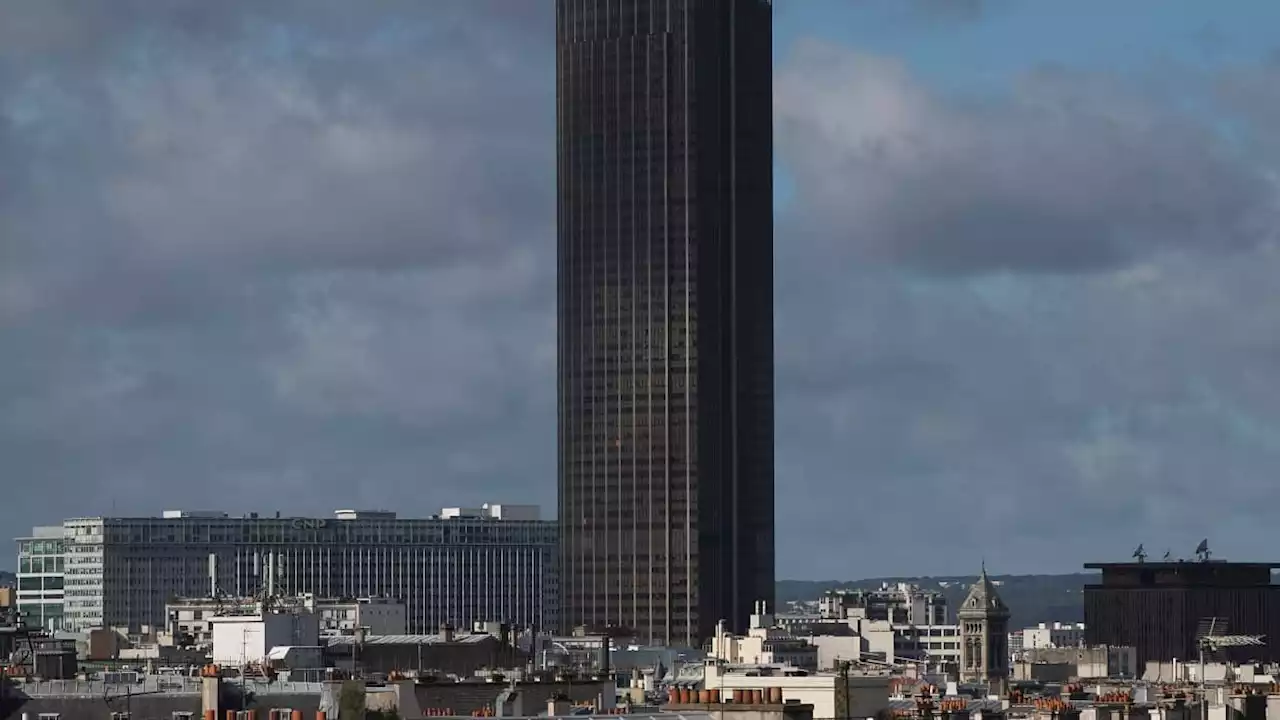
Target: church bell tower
(984, 635)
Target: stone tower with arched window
(984, 634)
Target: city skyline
(297, 256)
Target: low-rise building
(764, 644)
(900, 603)
(882, 641)
(849, 694)
(1051, 635)
(931, 643)
(190, 620)
(461, 654)
(170, 696)
(246, 639)
(1056, 665)
(376, 616)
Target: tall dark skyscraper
(665, 240)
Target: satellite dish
(1140, 554)
(1202, 550)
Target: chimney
(446, 632)
(271, 574)
(213, 575)
(559, 706)
(604, 652)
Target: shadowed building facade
(665, 245)
(1158, 607)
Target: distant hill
(1031, 599)
(8, 579)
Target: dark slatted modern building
(665, 250)
(1158, 607)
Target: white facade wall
(833, 649)
(248, 639)
(936, 643)
(896, 643)
(1057, 635)
(86, 592)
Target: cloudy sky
(299, 255)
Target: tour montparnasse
(665, 245)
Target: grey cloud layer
(266, 258)
(1065, 174)
(1039, 319)
(259, 258)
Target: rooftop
(974, 705)
(487, 511)
(433, 639)
(151, 685)
(1132, 565)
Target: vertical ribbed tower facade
(665, 244)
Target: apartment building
(465, 565)
(900, 603)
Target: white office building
(493, 563)
(40, 577)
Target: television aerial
(1202, 550)
(1168, 555)
(1212, 637)
(1140, 554)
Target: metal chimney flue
(271, 575)
(213, 575)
